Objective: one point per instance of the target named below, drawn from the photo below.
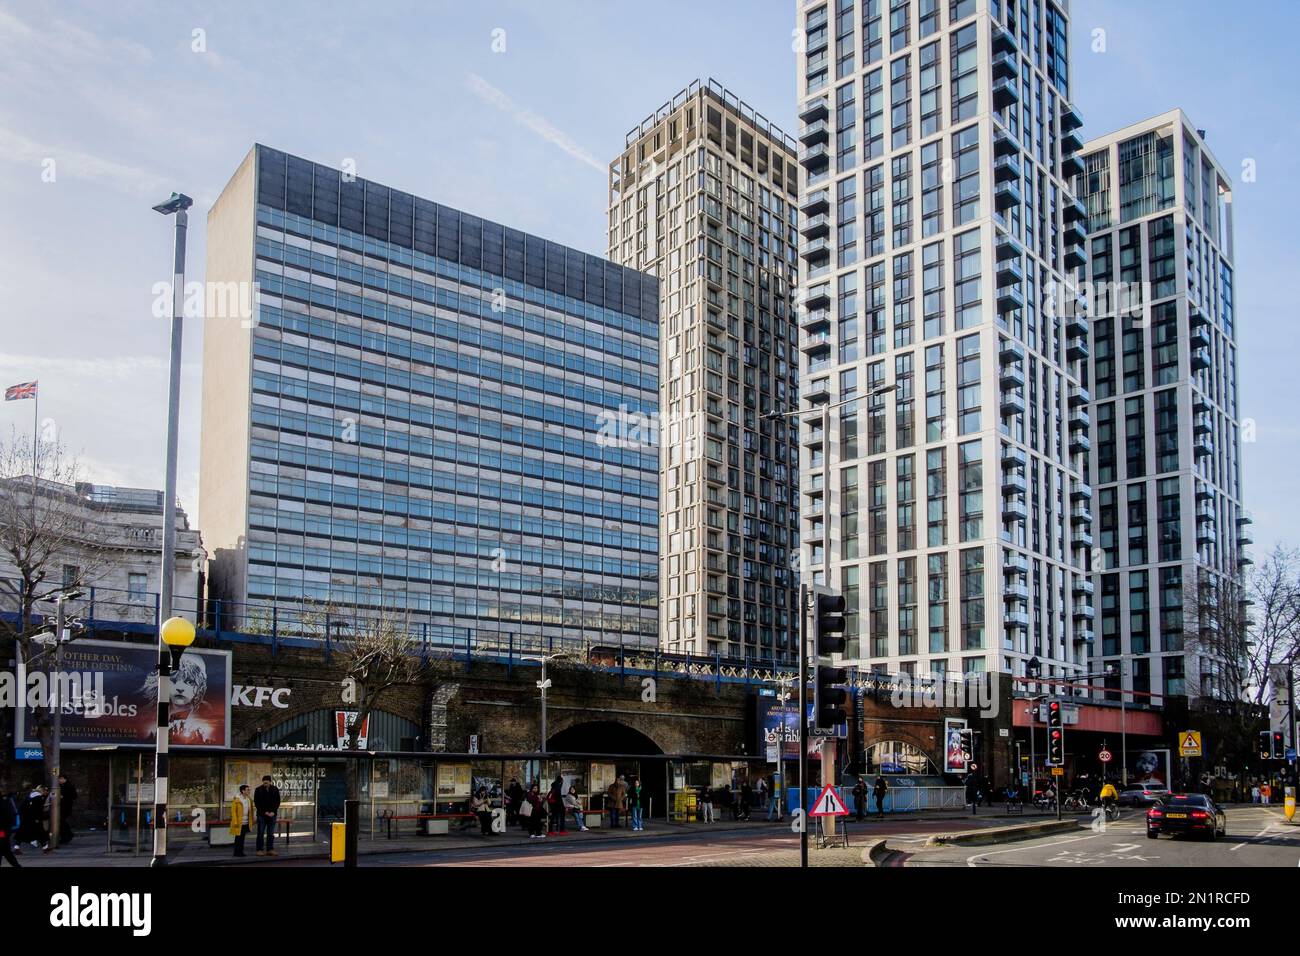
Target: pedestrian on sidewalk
(706, 804)
(859, 798)
(555, 805)
(617, 800)
(574, 806)
(879, 790)
(514, 799)
(973, 793)
(241, 812)
(533, 810)
(634, 800)
(761, 793)
(67, 802)
(31, 813)
(746, 799)
(8, 821)
(266, 800)
(481, 806)
(776, 805)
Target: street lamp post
(544, 685)
(176, 634)
(176, 205)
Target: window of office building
(907, 606)
(849, 505)
(936, 491)
(900, 102)
(878, 594)
(1171, 608)
(970, 487)
(901, 178)
(932, 289)
(873, 114)
(937, 592)
(905, 493)
(1110, 635)
(1164, 343)
(966, 279)
(966, 175)
(878, 514)
(1137, 523)
(872, 47)
(964, 73)
(1169, 513)
(1108, 527)
(1135, 439)
(932, 188)
(1166, 411)
(934, 394)
(968, 385)
(874, 213)
(1139, 613)
(972, 599)
(931, 87)
(904, 401)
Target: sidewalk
(88, 848)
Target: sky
(510, 110)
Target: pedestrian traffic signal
(1055, 735)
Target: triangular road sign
(829, 804)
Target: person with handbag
(481, 806)
(573, 805)
(617, 799)
(533, 812)
(241, 812)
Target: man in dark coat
(67, 801)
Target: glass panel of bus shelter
(297, 779)
(192, 782)
(130, 798)
(453, 780)
(486, 774)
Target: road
(677, 847)
(1257, 836)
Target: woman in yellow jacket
(241, 811)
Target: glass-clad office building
(425, 415)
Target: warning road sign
(1189, 743)
(829, 804)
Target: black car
(1186, 813)
(1141, 795)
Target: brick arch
(602, 727)
(930, 749)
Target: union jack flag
(16, 393)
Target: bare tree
(43, 525)
(378, 656)
(1273, 613)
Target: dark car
(1141, 795)
(1186, 813)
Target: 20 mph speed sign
(1105, 756)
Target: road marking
(1016, 849)
(1255, 837)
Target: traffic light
(828, 638)
(1055, 735)
(1279, 745)
(967, 746)
(1265, 745)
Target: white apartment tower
(1166, 460)
(704, 197)
(940, 304)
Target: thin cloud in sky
(17, 148)
(526, 118)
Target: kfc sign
(241, 696)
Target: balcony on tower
(1013, 482)
(818, 131)
(816, 203)
(1079, 442)
(1014, 509)
(1078, 395)
(1013, 402)
(1200, 359)
(1076, 325)
(1006, 92)
(813, 110)
(1006, 196)
(1203, 446)
(1077, 348)
(1071, 166)
(1080, 514)
(1080, 491)
(1070, 118)
(1083, 587)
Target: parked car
(1141, 795)
(1186, 813)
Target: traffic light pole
(803, 725)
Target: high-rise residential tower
(940, 307)
(1166, 457)
(419, 418)
(703, 197)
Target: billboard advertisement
(778, 727)
(1149, 767)
(953, 761)
(115, 700)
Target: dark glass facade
(431, 396)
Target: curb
(1001, 834)
(876, 852)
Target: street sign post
(829, 804)
(1105, 756)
